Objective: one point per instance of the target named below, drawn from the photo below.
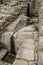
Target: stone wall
(10, 12)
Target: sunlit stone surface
(25, 54)
(20, 62)
(27, 32)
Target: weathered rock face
(10, 12)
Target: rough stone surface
(24, 36)
(28, 43)
(40, 58)
(20, 62)
(32, 63)
(4, 63)
(40, 46)
(6, 38)
(40, 42)
(2, 53)
(25, 54)
(19, 23)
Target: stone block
(35, 20)
(28, 45)
(23, 35)
(7, 12)
(20, 39)
(25, 54)
(20, 62)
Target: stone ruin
(21, 32)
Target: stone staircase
(8, 14)
(26, 46)
(19, 23)
(26, 37)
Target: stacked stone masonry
(28, 38)
(10, 12)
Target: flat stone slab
(20, 62)
(21, 40)
(28, 45)
(25, 54)
(24, 35)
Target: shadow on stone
(2, 46)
